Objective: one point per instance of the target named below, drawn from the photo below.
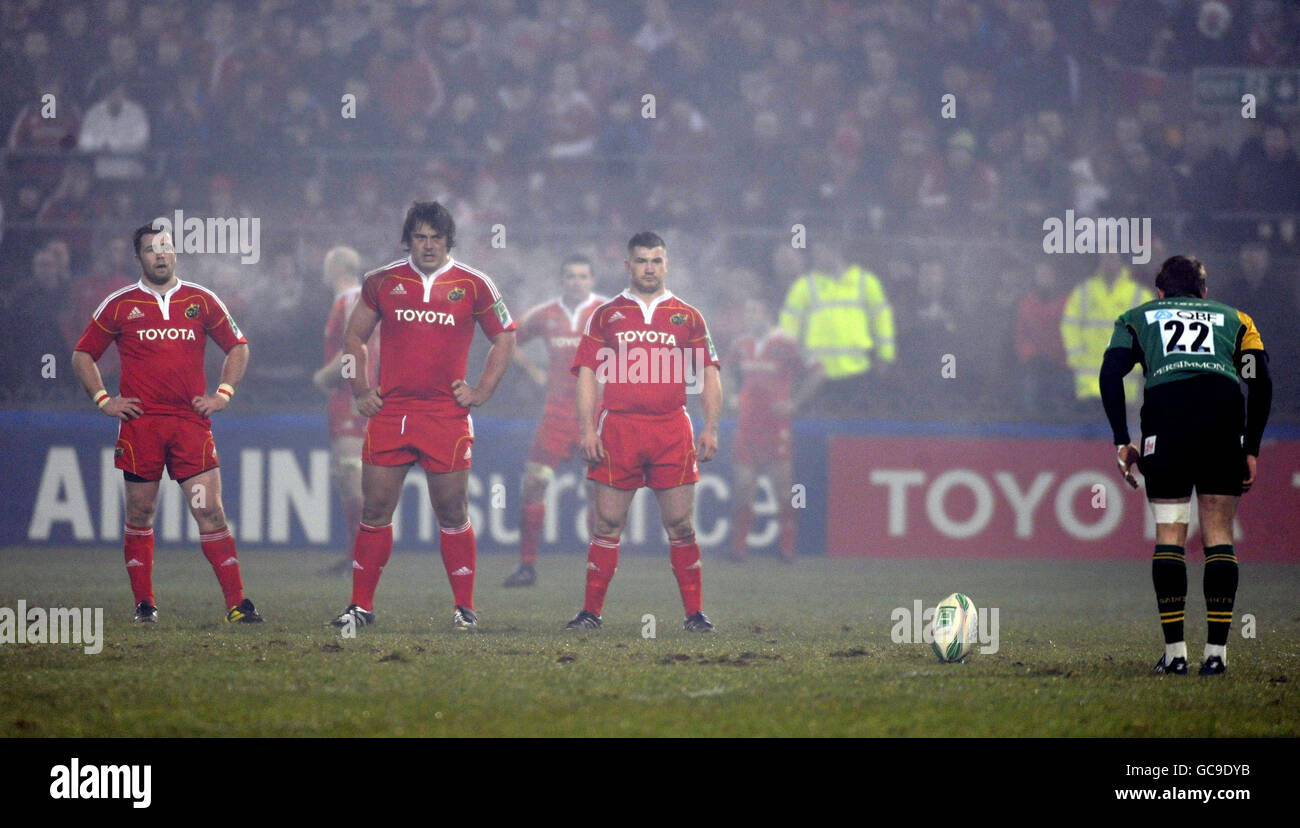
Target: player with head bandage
(558, 323)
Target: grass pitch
(802, 650)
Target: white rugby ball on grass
(954, 628)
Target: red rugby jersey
(160, 339)
(562, 329)
(342, 415)
(646, 354)
(769, 368)
(427, 327)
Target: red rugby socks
(602, 562)
(458, 552)
(530, 531)
(139, 561)
(742, 520)
(219, 548)
(687, 566)
(374, 546)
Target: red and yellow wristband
(226, 390)
(101, 398)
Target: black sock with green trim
(1220, 591)
(1169, 574)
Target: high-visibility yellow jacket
(1088, 323)
(840, 321)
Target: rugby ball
(954, 628)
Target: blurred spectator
(69, 203)
(623, 139)
(657, 31)
(251, 128)
(912, 167)
(184, 119)
(117, 130)
(1260, 290)
(681, 139)
(1267, 172)
(37, 308)
(1037, 182)
(961, 186)
(1042, 76)
(928, 331)
(406, 85)
(1046, 384)
(1204, 170)
(464, 127)
(1266, 37)
(569, 119)
(841, 317)
(302, 122)
(46, 126)
(122, 69)
(1088, 322)
(1142, 185)
(1252, 289)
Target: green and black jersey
(1193, 352)
(1183, 337)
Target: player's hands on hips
(128, 408)
(1251, 461)
(592, 450)
(368, 403)
(1126, 458)
(708, 447)
(467, 395)
(209, 405)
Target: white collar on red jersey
(432, 277)
(574, 312)
(163, 299)
(647, 311)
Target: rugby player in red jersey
(559, 323)
(427, 305)
(645, 344)
(342, 271)
(769, 364)
(161, 326)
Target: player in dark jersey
(559, 323)
(161, 326)
(642, 344)
(426, 306)
(1196, 434)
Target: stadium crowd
(554, 126)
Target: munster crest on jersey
(678, 319)
(456, 294)
(192, 312)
